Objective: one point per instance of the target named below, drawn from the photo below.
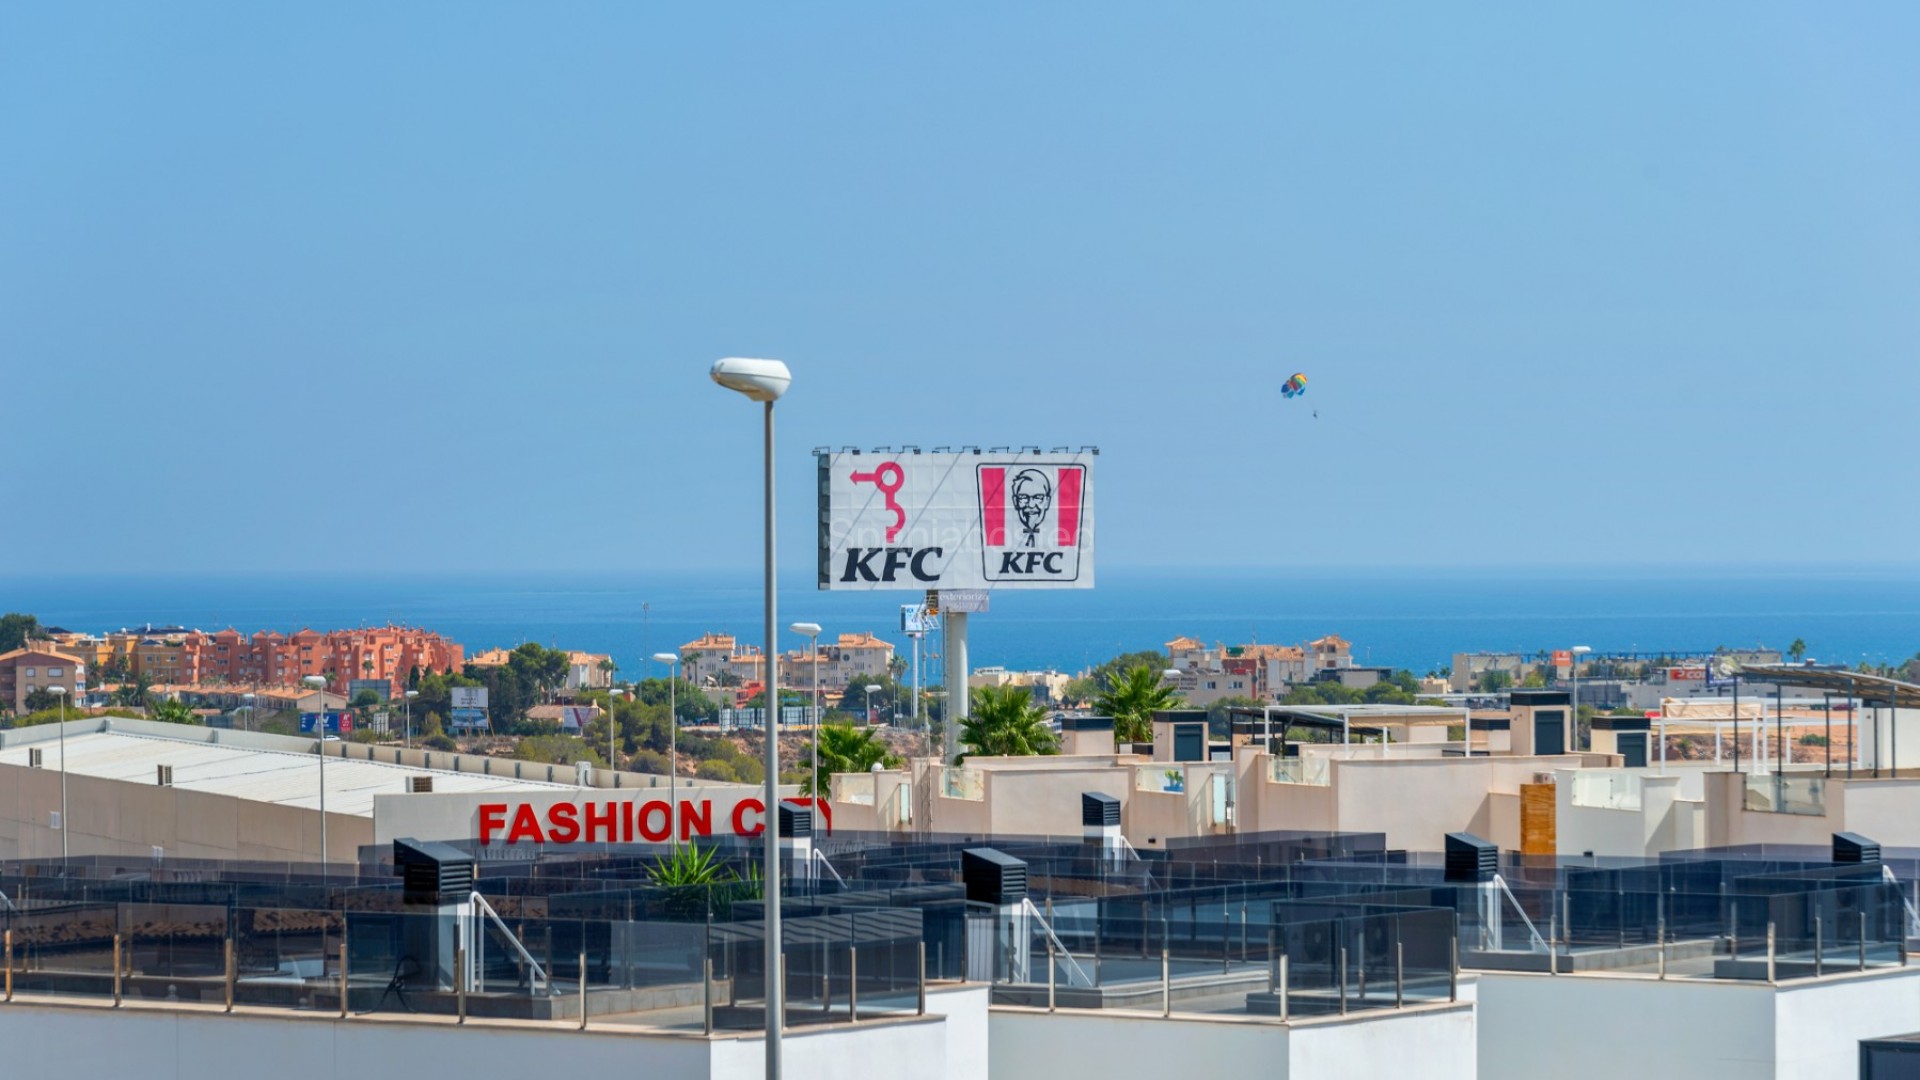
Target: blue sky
(410, 287)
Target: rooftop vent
(993, 877)
(432, 873)
(796, 821)
(33, 757)
(1097, 809)
(165, 775)
(1855, 849)
(420, 785)
(1470, 858)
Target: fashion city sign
(578, 817)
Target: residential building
(848, 659)
(1330, 653)
(38, 667)
(719, 657)
(1262, 672)
(1048, 687)
(589, 671)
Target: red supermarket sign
(623, 821)
(1686, 674)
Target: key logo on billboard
(1040, 539)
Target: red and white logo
(1031, 520)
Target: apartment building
(843, 660)
(38, 667)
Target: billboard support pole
(956, 658)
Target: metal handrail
(1073, 966)
(1539, 943)
(539, 975)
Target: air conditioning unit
(165, 775)
(420, 785)
(33, 757)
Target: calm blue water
(1403, 618)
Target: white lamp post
(61, 693)
(672, 660)
(319, 682)
(1573, 722)
(812, 632)
(764, 381)
(410, 695)
(870, 688)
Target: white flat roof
(274, 776)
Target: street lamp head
(411, 694)
(760, 380)
(1582, 650)
(315, 681)
(667, 657)
(806, 629)
(57, 691)
(872, 687)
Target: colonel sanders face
(1032, 498)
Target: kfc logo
(1040, 539)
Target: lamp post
(764, 381)
(672, 660)
(1573, 722)
(613, 724)
(409, 696)
(61, 693)
(253, 710)
(319, 682)
(812, 631)
(870, 688)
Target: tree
(1006, 723)
(846, 749)
(1132, 698)
(1107, 674)
(171, 711)
(1218, 722)
(40, 700)
(1797, 650)
(1492, 682)
(854, 698)
(16, 630)
(556, 750)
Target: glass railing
(1787, 793)
(963, 783)
(854, 788)
(1156, 778)
(1606, 789)
(1314, 771)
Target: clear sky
(401, 287)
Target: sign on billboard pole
(963, 524)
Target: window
(31, 672)
(54, 672)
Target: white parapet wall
(1433, 1042)
(74, 1042)
(1611, 1026)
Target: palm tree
(1132, 699)
(1797, 650)
(846, 749)
(1006, 723)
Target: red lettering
(526, 826)
(626, 823)
(563, 823)
(696, 817)
(740, 811)
(493, 818)
(646, 815)
(602, 822)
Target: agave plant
(696, 882)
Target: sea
(1405, 618)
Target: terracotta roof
(1334, 641)
(32, 650)
(1184, 643)
(1273, 652)
(490, 658)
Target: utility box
(1470, 858)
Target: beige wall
(115, 817)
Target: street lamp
(613, 723)
(764, 381)
(319, 682)
(870, 688)
(61, 693)
(1573, 724)
(410, 695)
(812, 631)
(672, 660)
(253, 711)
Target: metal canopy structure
(1871, 689)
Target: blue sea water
(1405, 618)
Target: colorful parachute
(1294, 387)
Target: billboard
(338, 723)
(468, 720)
(574, 718)
(974, 520)
(469, 697)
